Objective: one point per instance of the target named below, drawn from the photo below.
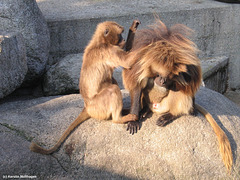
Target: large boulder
(24, 16)
(13, 64)
(63, 77)
(185, 149)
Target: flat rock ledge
(63, 77)
(185, 149)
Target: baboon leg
(107, 103)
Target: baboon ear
(106, 32)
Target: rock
(185, 149)
(25, 17)
(13, 64)
(233, 96)
(215, 73)
(63, 77)
(117, 74)
(14, 150)
(229, 1)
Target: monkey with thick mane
(101, 94)
(166, 74)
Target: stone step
(215, 73)
(63, 77)
(216, 25)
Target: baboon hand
(133, 123)
(133, 127)
(135, 25)
(165, 119)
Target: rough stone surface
(24, 16)
(185, 149)
(63, 77)
(16, 160)
(13, 64)
(234, 96)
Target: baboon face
(158, 69)
(113, 34)
(170, 74)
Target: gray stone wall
(216, 25)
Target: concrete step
(215, 73)
(234, 96)
(216, 25)
(63, 77)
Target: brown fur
(165, 52)
(154, 96)
(102, 96)
(168, 54)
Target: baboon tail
(83, 116)
(224, 144)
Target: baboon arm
(133, 117)
(135, 95)
(131, 35)
(118, 57)
(122, 55)
(135, 101)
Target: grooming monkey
(166, 75)
(101, 94)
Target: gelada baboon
(166, 74)
(101, 94)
